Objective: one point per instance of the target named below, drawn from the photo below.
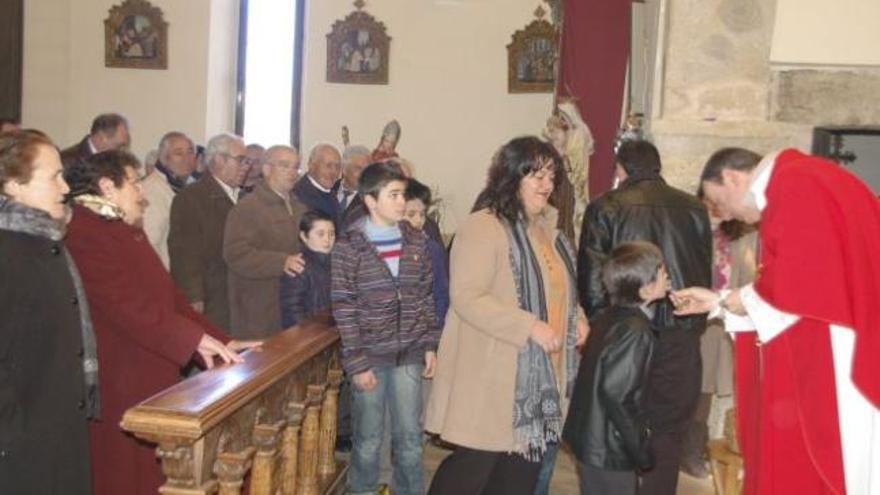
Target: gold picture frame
(358, 50)
(533, 58)
(136, 36)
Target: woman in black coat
(48, 369)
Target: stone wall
(719, 88)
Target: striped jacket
(383, 321)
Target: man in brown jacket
(198, 222)
(261, 243)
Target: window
(269, 71)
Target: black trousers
(663, 479)
(596, 481)
(479, 472)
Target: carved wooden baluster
(327, 439)
(290, 447)
(266, 438)
(307, 481)
(230, 469)
(178, 467)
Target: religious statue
(388, 142)
(571, 137)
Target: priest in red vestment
(808, 328)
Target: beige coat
(471, 401)
(260, 234)
(159, 196)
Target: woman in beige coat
(507, 358)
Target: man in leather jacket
(645, 208)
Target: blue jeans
(399, 389)
(546, 473)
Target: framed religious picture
(532, 57)
(357, 49)
(136, 36)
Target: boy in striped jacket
(381, 294)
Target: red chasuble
(820, 260)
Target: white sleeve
(767, 320)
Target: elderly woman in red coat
(145, 328)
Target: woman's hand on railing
(237, 346)
(209, 348)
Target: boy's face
(387, 209)
(415, 213)
(321, 237)
(657, 289)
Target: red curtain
(592, 70)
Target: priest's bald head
(726, 182)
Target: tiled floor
(565, 479)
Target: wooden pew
(270, 420)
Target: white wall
(840, 32)
(447, 87)
(66, 83)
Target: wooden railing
(272, 417)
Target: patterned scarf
(17, 217)
(537, 411)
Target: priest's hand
(694, 301)
(733, 303)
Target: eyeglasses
(241, 159)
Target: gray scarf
(537, 411)
(17, 217)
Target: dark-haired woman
(146, 329)
(308, 293)
(47, 353)
(507, 356)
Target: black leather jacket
(607, 425)
(647, 209)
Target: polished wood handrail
(258, 416)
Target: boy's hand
(430, 364)
(365, 381)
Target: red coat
(146, 331)
(820, 236)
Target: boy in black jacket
(606, 424)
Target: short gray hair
(165, 142)
(273, 150)
(354, 150)
(219, 145)
(313, 153)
